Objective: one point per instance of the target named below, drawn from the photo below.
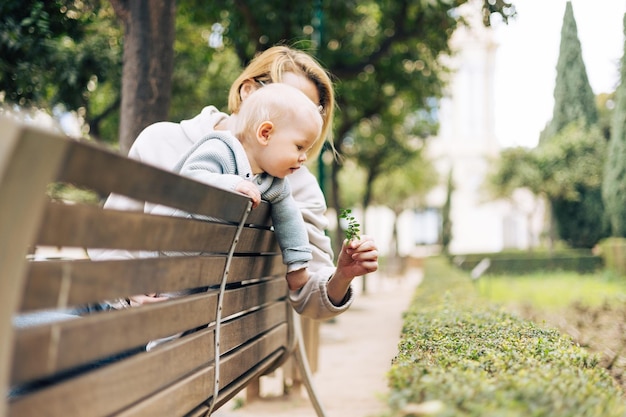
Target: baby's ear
(263, 132)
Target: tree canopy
(60, 53)
(573, 97)
(567, 172)
(384, 57)
(566, 167)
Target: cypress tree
(581, 223)
(614, 180)
(573, 97)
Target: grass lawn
(553, 290)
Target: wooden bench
(239, 328)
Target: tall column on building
(467, 142)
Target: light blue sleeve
(290, 228)
(213, 163)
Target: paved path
(355, 355)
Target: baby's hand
(137, 300)
(251, 190)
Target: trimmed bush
(478, 360)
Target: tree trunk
(339, 236)
(148, 64)
(395, 243)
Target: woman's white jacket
(162, 144)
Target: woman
(328, 291)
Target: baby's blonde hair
(269, 67)
(277, 103)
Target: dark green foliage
(57, 52)
(53, 51)
(575, 157)
(384, 57)
(573, 97)
(567, 171)
(581, 223)
(516, 168)
(202, 75)
(480, 361)
(614, 183)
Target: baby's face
(288, 145)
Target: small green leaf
(352, 232)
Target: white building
(466, 145)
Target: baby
(266, 140)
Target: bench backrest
(77, 367)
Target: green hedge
(519, 263)
(476, 360)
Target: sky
(527, 56)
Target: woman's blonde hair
(269, 67)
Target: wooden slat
(240, 329)
(47, 349)
(101, 332)
(103, 392)
(86, 163)
(236, 386)
(86, 226)
(185, 395)
(241, 299)
(254, 267)
(91, 227)
(61, 283)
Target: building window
(427, 226)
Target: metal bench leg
(303, 366)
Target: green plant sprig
(352, 232)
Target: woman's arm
(328, 292)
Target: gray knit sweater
(220, 160)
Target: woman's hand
(358, 257)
